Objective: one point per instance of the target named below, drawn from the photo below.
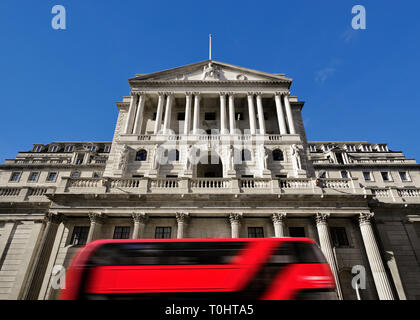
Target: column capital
(98, 217)
(139, 217)
(181, 216)
(235, 217)
(161, 94)
(365, 218)
(132, 93)
(286, 93)
(250, 94)
(258, 94)
(321, 217)
(231, 94)
(222, 94)
(52, 217)
(279, 217)
(188, 94)
(139, 93)
(169, 94)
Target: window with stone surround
(404, 176)
(75, 174)
(163, 232)
(79, 236)
(255, 232)
(121, 233)
(345, 174)
(69, 149)
(33, 177)
(15, 177)
(53, 149)
(278, 155)
(141, 155)
(297, 232)
(52, 177)
(339, 237)
(37, 149)
(386, 176)
(367, 176)
(107, 149)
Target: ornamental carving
(279, 217)
(139, 217)
(181, 216)
(365, 218)
(321, 217)
(235, 217)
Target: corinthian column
(232, 122)
(251, 112)
(159, 112)
(180, 218)
(235, 222)
(223, 129)
(168, 113)
(187, 122)
(280, 114)
(196, 123)
(326, 247)
(375, 260)
(96, 219)
(278, 221)
(139, 114)
(130, 115)
(261, 120)
(289, 114)
(139, 225)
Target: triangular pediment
(211, 70)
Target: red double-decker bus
(267, 269)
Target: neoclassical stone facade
(212, 150)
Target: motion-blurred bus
(200, 269)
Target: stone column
(139, 224)
(139, 114)
(196, 123)
(280, 115)
(159, 112)
(130, 115)
(187, 122)
(235, 223)
(375, 260)
(223, 125)
(278, 221)
(289, 114)
(180, 219)
(96, 219)
(232, 122)
(40, 262)
(260, 109)
(251, 113)
(326, 247)
(168, 113)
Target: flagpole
(210, 47)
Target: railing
(83, 182)
(381, 193)
(336, 183)
(295, 183)
(168, 183)
(9, 192)
(210, 183)
(254, 183)
(37, 192)
(409, 193)
(125, 183)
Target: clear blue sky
(63, 85)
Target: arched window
(246, 155)
(141, 155)
(173, 155)
(278, 155)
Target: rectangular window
(33, 177)
(53, 149)
(75, 174)
(181, 116)
(37, 149)
(96, 175)
(239, 116)
(344, 174)
(255, 232)
(79, 236)
(69, 149)
(15, 177)
(121, 233)
(404, 176)
(385, 176)
(297, 232)
(339, 237)
(210, 116)
(52, 176)
(93, 149)
(367, 176)
(163, 232)
(107, 148)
